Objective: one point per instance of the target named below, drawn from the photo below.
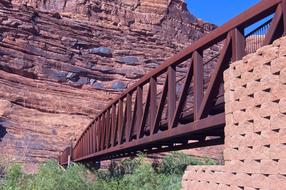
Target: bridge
(180, 104)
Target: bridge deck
(180, 104)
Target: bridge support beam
(238, 44)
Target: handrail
(232, 34)
(245, 19)
(259, 27)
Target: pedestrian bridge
(180, 104)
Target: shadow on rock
(3, 131)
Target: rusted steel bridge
(180, 104)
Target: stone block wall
(255, 132)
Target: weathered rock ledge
(62, 61)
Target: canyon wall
(63, 61)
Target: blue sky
(218, 11)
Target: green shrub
(131, 174)
(208, 161)
(104, 174)
(129, 165)
(13, 177)
(52, 177)
(176, 163)
(128, 174)
(169, 182)
(124, 167)
(101, 184)
(143, 178)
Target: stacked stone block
(255, 132)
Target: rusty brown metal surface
(158, 121)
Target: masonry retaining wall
(255, 132)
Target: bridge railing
(255, 38)
(180, 103)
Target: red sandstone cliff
(62, 61)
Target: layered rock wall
(255, 132)
(63, 61)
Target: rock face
(62, 61)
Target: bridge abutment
(255, 132)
